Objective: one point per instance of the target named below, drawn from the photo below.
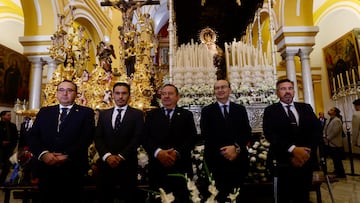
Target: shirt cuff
(121, 156)
(42, 153)
(291, 148)
(157, 152)
(106, 156)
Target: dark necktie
(118, 120)
(63, 114)
(291, 115)
(226, 113)
(168, 112)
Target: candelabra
(343, 97)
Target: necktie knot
(63, 114)
(168, 113)
(291, 115)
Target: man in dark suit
(59, 139)
(322, 119)
(294, 132)
(24, 132)
(170, 135)
(226, 130)
(117, 138)
(8, 142)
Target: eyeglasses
(68, 90)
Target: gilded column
(306, 76)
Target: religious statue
(208, 37)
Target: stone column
(306, 75)
(291, 70)
(35, 82)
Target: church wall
(331, 27)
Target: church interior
(191, 44)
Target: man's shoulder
(356, 114)
(48, 108)
(273, 106)
(183, 110)
(135, 110)
(209, 106)
(83, 108)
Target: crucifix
(128, 30)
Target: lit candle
(353, 76)
(334, 85)
(347, 78)
(342, 80)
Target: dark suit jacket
(219, 132)
(279, 132)
(125, 142)
(179, 134)
(8, 132)
(73, 138)
(23, 135)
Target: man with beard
(117, 138)
(294, 132)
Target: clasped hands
(300, 156)
(113, 160)
(53, 158)
(167, 157)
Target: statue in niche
(208, 37)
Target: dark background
(226, 17)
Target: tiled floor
(344, 191)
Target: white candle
(342, 80)
(347, 78)
(334, 85)
(227, 55)
(353, 76)
(338, 79)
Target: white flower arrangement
(196, 95)
(258, 157)
(143, 158)
(165, 198)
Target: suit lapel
(108, 119)
(283, 114)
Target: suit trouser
(294, 183)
